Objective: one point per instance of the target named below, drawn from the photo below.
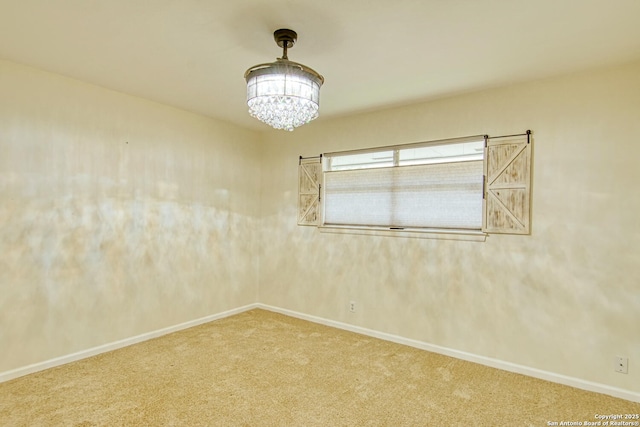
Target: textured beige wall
(565, 299)
(118, 216)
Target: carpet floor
(260, 368)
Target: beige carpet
(264, 369)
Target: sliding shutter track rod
(311, 157)
(528, 133)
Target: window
(424, 186)
(464, 185)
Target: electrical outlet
(622, 365)
(352, 306)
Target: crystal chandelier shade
(283, 94)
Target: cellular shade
(438, 195)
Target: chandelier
(283, 94)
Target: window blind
(439, 195)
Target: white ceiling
(373, 54)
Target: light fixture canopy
(283, 94)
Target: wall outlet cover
(621, 365)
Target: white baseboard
(482, 360)
(470, 357)
(40, 366)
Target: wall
(565, 299)
(119, 216)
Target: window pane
(362, 161)
(459, 152)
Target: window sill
(416, 233)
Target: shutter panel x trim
(309, 176)
(508, 185)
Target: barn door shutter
(309, 182)
(508, 185)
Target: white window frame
(390, 230)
